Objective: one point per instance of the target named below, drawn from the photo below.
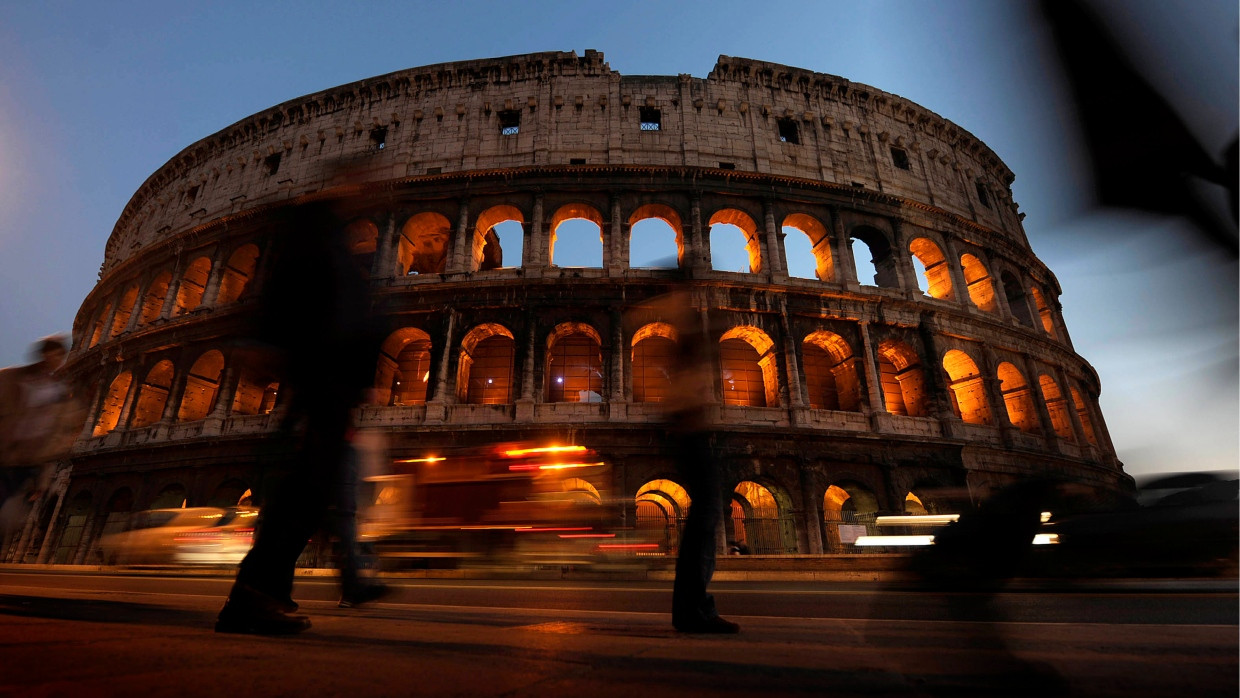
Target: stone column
(615, 387)
(384, 266)
(1065, 390)
(1039, 403)
(939, 403)
(442, 394)
(796, 397)
(532, 249)
(699, 238)
(905, 271)
(777, 264)
(105, 330)
(994, 394)
(874, 395)
(951, 257)
(135, 385)
(615, 252)
(462, 242)
(175, 393)
(812, 509)
(527, 371)
(846, 272)
(135, 312)
(225, 393)
(174, 287)
(212, 291)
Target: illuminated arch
(574, 364)
(819, 241)
(238, 273)
(124, 309)
(901, 379)
(1082, 413)
(748, 370)
(153, 303)
(1015, 294)
(654, 357)
(153, 395)
(830, 372)
(193, 285)
(977, 279)
(1017, 398)
(113, 402)
(662, 506)
(758, 524)
(866, 239)
(485, 250)
(934, 267)
(749, 232)
(650, 236)
(423, 245)
(1044, 311)
(484, 366)
(966, 388)
(1057, 406)
(402, 372)
(593, 225)
(201, 386)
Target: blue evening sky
(95, 96)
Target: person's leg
(693, 608)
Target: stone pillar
(615, 387)
(175, 393)
(939, 403)
(994, 393)
(905, 271)
(532, 250)
(812, 512)
(777, 264)
(846, 266)
(960, 290)
(874, 396)
(699, 239)
(1039, 402)
(92, 415)
(60, 487)
(462, 242)
(212, 291)
(174, 287)
(135, 385)
(442, 394)
(527, 371)
(616, 251)
(1065, 390)
(384, 266)
(135, 312)
(796, 397)
(225, 393)
(105, 330)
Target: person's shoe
(715, 625)
(288, 605)
(364, 594)
(249, 620)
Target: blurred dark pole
(1144, 156)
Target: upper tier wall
(572, 110)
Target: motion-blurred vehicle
(509, 503)
(1186, 524)
(194, 535)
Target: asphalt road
(142, 634)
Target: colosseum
(888, 334)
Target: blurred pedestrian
(39, 420)
(316, 316)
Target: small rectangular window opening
(651, 119)
(899, 158)
(982, 196)
(191, 194)
(509, 122)
(434, 170)
(727, 166)
(378, 137)
(577, 161)
(273, 163)
(788, 131)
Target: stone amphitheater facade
(839, 397)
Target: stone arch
(113, 402)
(749, 375)
(170, 496)
(830, 372)
(654, 357)
(1045, 313)
(423, 245)
(153, 395)
(228, 493)
(75, 517)
(125, 308)
(966, 388)
(934, 267)
(193, 285)
(403, 370)
(1017, 398)
(484, 374)
(201, 385)
(1057, 407)
(901, 379)
(649, 224)
(819, 244)
(866, 239)
(579, 232)
(238, 273)
(486, 251)
(760, 525)
(749, 232)
(913, 505)
(581, 490)
(96, 333)
(977, 280)
(361, 238)
(847, 503)
(574, 364)
(1082, 413)
(153, 303)
(257, 387)
(1016, 300)
(662, 506)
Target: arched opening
(403, 371)
(228, 494)
(113, 402)
(901, 379)
(1061, 421)
(170, 497)
(256, 391)
(238, 273)
(77, 512)
(201, 386)
(757, 526)
(577, 237)
(734, 242)
(977, 280)
(153, 395)
(662, 506)
(1015, 294)
(808, 248)
(654, 356)
(97, 332)
(117, 512)
(875, 263)
(914, 506)
(124, 310)
(1044, 311)
(830, 373)
(484, 368)
(966, 388)
(423, 245)
(574, 364)
(932, 267)
(656, 238)
(362, 240)
(193, 285)
(487, 251)
(747, 368)
(581, 491)
(1082, 413)
(849, 510)
(1016, 396)
(153, 304)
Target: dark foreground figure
(316, 320)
